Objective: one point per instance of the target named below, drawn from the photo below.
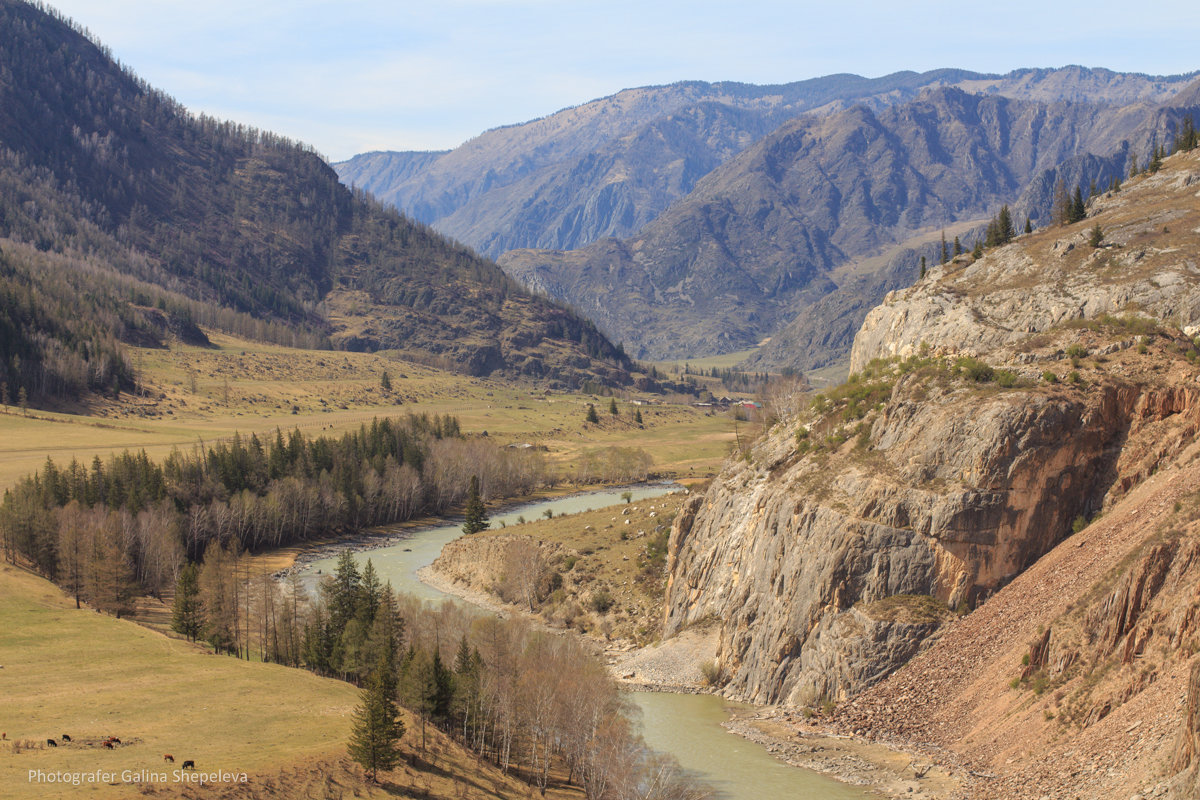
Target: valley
(830, 438)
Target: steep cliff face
(947, 491)
(933, 475)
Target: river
(687, 726)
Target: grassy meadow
(91, 676)
(200, 394)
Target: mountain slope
(95, 163)
(756, 242)
(939, 503)
(607, 167)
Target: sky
(359, 75)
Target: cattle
(114, 740)
(66, 738)
(169, 757)
(108, 745)
(189, 764)
(51, 743)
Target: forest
(111, 531)
(533, 703)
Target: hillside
(776, 229)
(91, 676)
(998, 508)
(210, 218)
(607, 167)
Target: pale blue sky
(361, 75)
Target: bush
(601, 601)
(711, 672)
(975, 370)
(1049, 377)
(1079, 524)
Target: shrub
(1079, 524)
(1049, 377)
(601, 601)
(711, 672)
(1077, 351)
(974, 370)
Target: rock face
(924, 478)
(953, 495)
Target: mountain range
(737, 213)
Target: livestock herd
(108, 743)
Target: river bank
(675, 666)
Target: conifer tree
(612, 406)
(385, 381)
(592, 416)
(1077, 211)
(958, 248)
(637, 416)
(377, 727)
(945, 249)
(922, 266)
(477, 518)
(187, 614)
(1028, 225)
(1004, 225)
(977, 252)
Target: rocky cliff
(986, 545)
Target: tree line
(125, 526)
(534, 704)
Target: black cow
(189, 764)
(66, 738)
(51, 743)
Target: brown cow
(169, 757)
(109, 745)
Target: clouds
(354, 75)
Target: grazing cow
(169, 757)
(66, 738)
(51, 743)
(114, 740)
(189, 764)
(108, 745)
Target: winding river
(687, 726)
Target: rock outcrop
(1146, 264)
(950, 494)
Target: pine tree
(922, 266)
(592, 416)
(1028, 225)
(477, 518)
(1096, 236)
(377, 728)
(187, 614)
(1004, 225)
(385, 381)
(958, 248)
(612, 406)
(1078, 211)
(1133, 165)
(637, 416)
(945, 249)
(977, 252)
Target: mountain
(608, 167)
(984, 547)
(97, 166)
(821, 202)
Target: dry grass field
(90, 676)
(200, 394)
